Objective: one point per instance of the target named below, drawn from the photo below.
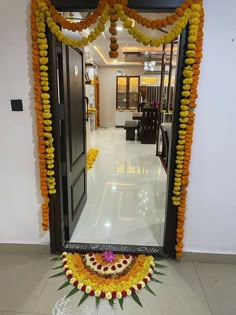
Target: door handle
(86, 103)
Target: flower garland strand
(78, 26)
(55, 29)
(188, 103)
(159, 23)
(124, 276)
(147, 40)
(114, 9)
(42, 107)
(113, 53)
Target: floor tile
(219, 285)
(21, 313)
(126, 193)
(22, 281)
(187, 272)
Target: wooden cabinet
(127, 92)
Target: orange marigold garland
(42, 107)
(78, 26)
(188, 103)
(159, 23)
(113, 53)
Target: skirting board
(209, 258)
(8, 248)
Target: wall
(19, 200)
(211, 213)
(107, 79)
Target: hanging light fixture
(149, 65)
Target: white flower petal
(108, 296)
(72, 280)
(118, 295)
(97, 293)
(69, 272)
(80, 285)
(129, 292)
(88, 289)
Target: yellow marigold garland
(55, 29)
(78, 26)
(188, 103)
(159, 23)
(147, 40)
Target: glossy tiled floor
(188, 289)
(126, 193)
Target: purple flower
(109, 256)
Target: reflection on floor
(126, 193)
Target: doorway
(59, 234)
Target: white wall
(107, 79)
(19, 185)
(211, 216)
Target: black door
(70, 79)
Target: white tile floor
(187, 289)
(126, 193)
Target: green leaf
(111, 302)
(64, 285)
(155, 280)
(121, 302)
(98, 299)
(149, 289)
(84, 297)
(160, 266)
(136, 299)
(73, 291)
(56, 258)
(58, 274)
(159, 273)
(59, 267)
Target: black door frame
(58, 243)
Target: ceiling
(131, 53)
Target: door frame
(58, 243)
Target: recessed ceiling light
(114, 60)
(119, 28)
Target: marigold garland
(123, 276)
(147, 40)
(188, 103)
(42, 107)
(191, 11)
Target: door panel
(76, 100)
(73, 131)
